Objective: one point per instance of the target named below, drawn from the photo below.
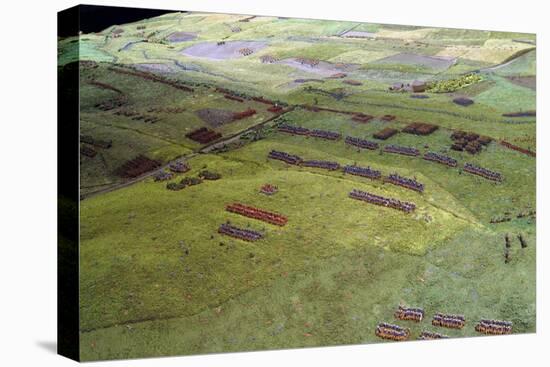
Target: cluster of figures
(495, 327)
(268, 59)
(408, 313)
(483, 172)
(240, 233)
(363, 172)
(361, 143)
(395, 332)
(405, 182)
(163, 175)
(309, 62)
(285, 157)
(449, 321)
(409, 151)
(174, 167)
(269, 189)
(430, 335)
(316, 133)
(439, 158)
(179, 167)
(332, 166)
(255, 213)
(246, 51)
(401, 150)
(382, 201)
(385, 330)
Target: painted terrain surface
(156, 276)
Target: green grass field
(157, 279)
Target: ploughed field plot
(418, 218)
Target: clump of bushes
(185, 182)
(452, 85)
(209, 175)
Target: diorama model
(260, 182)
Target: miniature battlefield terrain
(252, 182)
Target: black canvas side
(68, 195)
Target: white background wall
(28, 181)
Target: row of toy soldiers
(407, 313)
(363, 172)
(483, 172)
(316, 133)
(251, 212)
(439, 158)
(293, 129)
(495, 327)
(392, 332)
(243, 234)
(401, 150)
(430, 335)
(409, 183)
(321, 164)
(331, 135)
(449, 320)
(361, 143)
(285, 157)
(380, 200)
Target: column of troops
(430, 335)
(396, 149)
(285, 157)
(494, 327)
(316, 133)
(401, 150)
(449, 320)
(363, 172)
(256, 213)
(382, 201)
(324, 134)
(385, 330)
(240, 233)
(439, 158)
(332, 166)
(361, 143)
(483, 172)
(409, 313)
(405, 182)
